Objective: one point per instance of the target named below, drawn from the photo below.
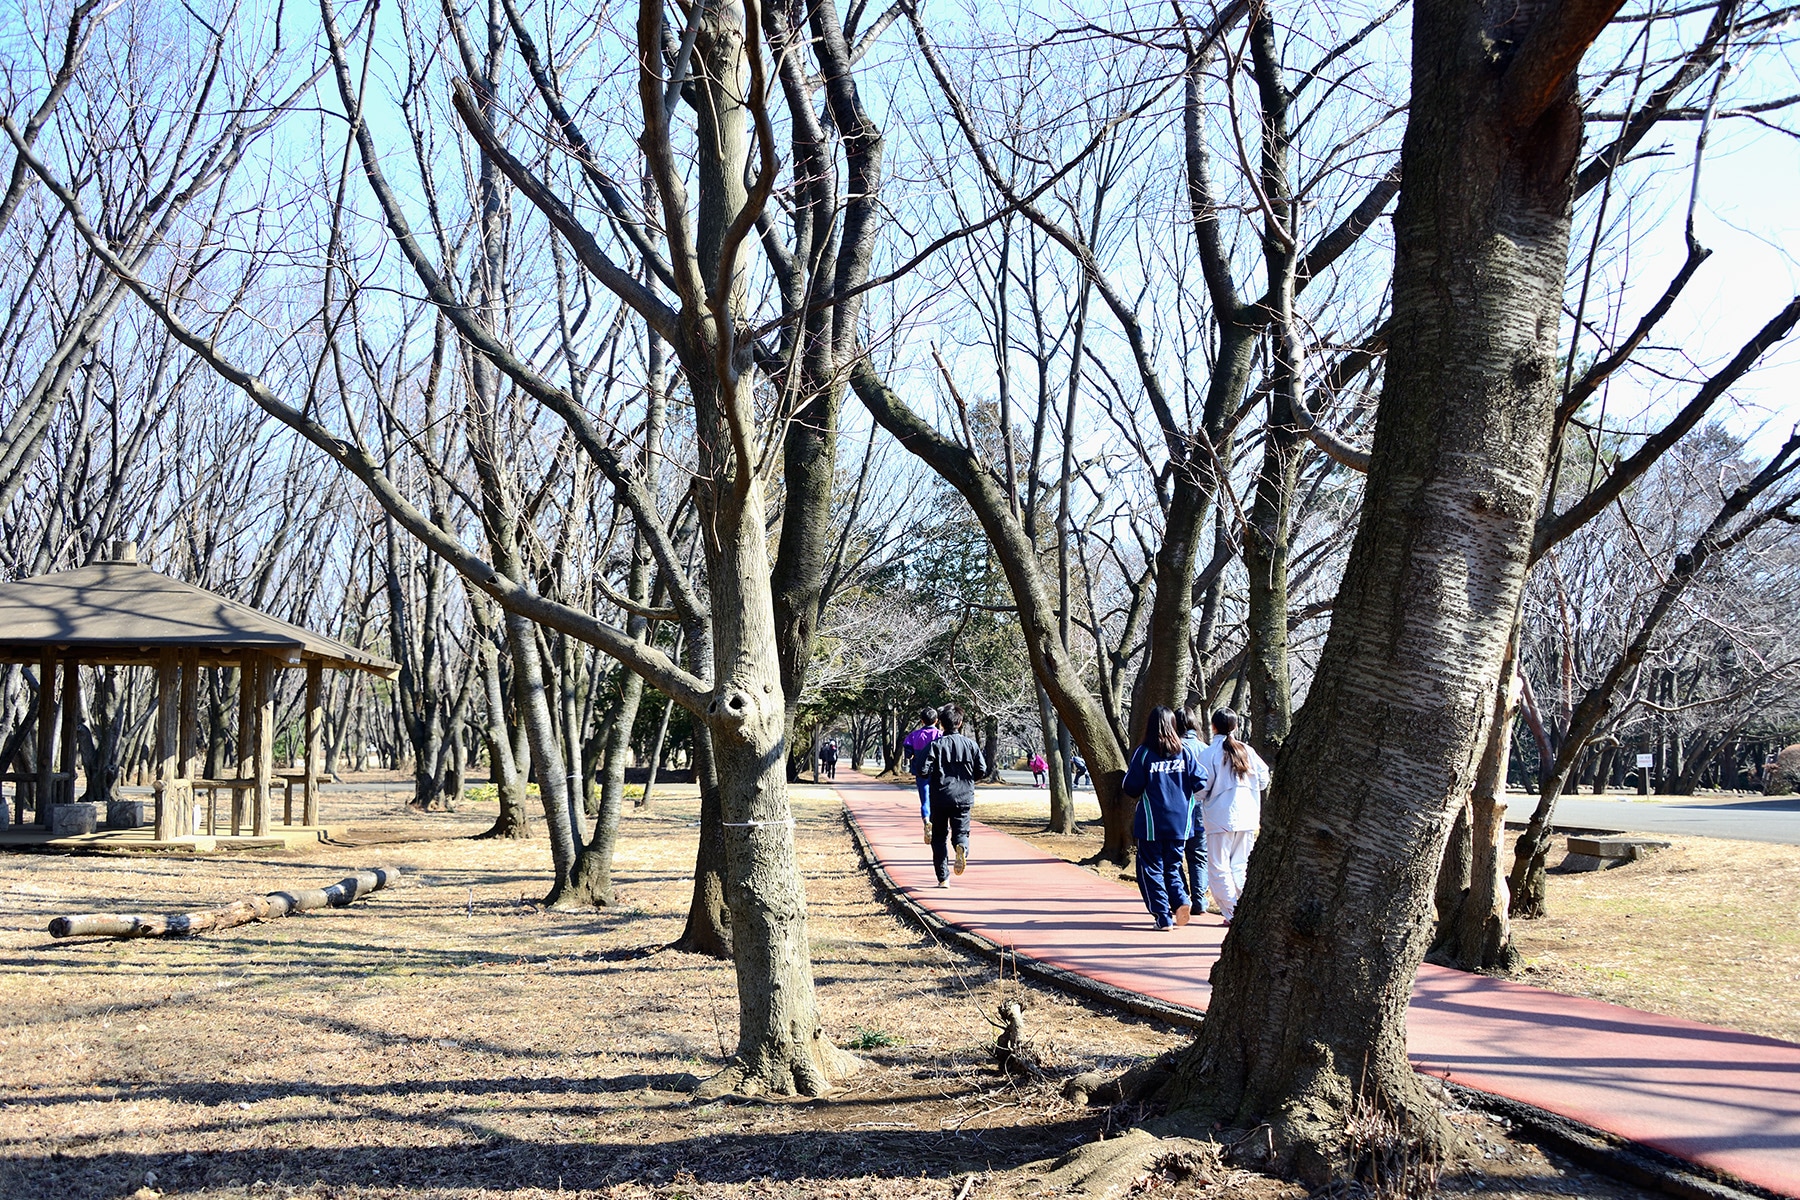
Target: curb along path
(1729, 1101)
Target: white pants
(1227, 853)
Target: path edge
(1620, 1158)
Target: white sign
(1646, 760)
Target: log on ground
(238, 912)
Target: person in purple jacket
(1163, 776)
(918, 748)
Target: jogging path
(1729, 1101)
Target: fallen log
(239, 912)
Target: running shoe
(962, 858)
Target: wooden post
(46, 737)
(190, 714)
(168, 714)
(315, 730)
(246, 738)
(265, 741)
(71, 718)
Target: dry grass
(1708, 929)
(448, 1038)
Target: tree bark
(1307, 1025)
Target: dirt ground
(447, 1038)
(1707, 929)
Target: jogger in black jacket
(952, 765)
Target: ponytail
(1237, 753)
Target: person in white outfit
(1231, 809)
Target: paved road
(1726, 1099)
(1748, 818)
(1743, 818)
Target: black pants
(949, 827)
(1194, 859)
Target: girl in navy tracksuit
(1163, 775)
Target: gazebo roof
(123, 612)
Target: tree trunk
(1307, 1026)
(513, 820)
(708, 928)
(593, 882)
(533, 704)
(782, 1047)
(1472, 931)
(1062, 801)
(1270, 711)
(1603, 769)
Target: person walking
(952, 764)
(1040, 770)
(1193, 855)
(1163, 777)
(828, 756)
(918, 744)
(1231, 809)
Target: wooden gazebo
(120, 612)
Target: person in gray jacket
(952, 765)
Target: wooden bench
(212, 787)
(287, 781)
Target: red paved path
(1714, 1096)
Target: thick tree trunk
(782, 1047)
(1307, 1026)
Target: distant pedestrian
(1162, 778)
(918, 744)
(1193, 855)
(953, 763)
(1040, 770)
(1078, 772)
(828, 756)
(1231, 808)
